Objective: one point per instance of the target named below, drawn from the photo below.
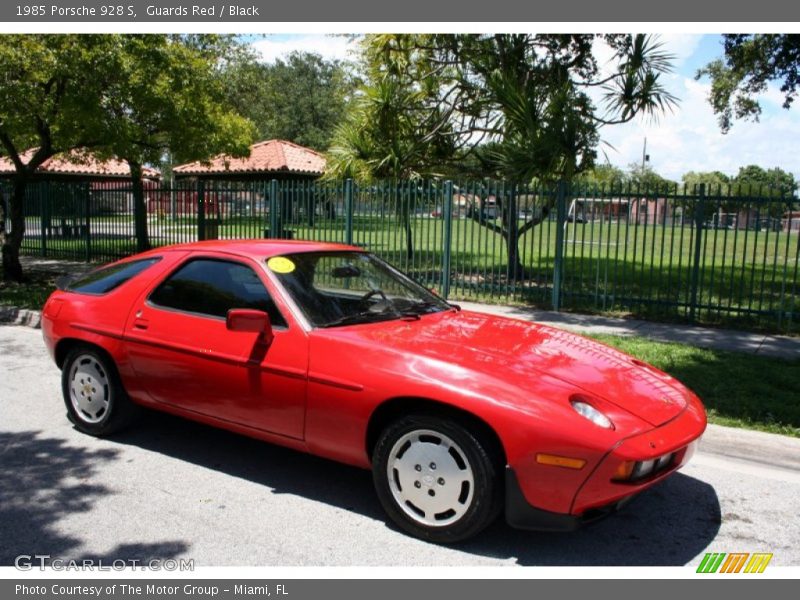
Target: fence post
(201, 210)
(87, 208)
(447, 238)
(348, 211)
(558, 266)
(44, 208)
(699, 219)
(274, 210)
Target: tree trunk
(515, 268)
(409, 239)
(139, 207)
(512, 234)
(12, 241)
(404, 209)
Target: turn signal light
(624, 470)
(633, 471)
(560, 461)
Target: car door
(181, 350)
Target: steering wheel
(384, 301)
(371, 293)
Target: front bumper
(595, 493)
(521, 515)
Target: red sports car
(327, 349)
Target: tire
(96, 402)
(436, 479)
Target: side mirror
(252, 321)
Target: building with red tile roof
(78, 165)
(271, 158)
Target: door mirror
(249, 320)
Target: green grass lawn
(738, 390)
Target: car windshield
(346, 288)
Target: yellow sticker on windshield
(280, 264)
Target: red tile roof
(78, 163)
(271, 156)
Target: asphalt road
(174, 489)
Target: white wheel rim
(89, 389)
(430, 478)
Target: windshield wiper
(360, 317)
(367, 316)
(422, 306)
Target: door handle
(139, 323)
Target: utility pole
(645, 155)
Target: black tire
(108, 408)
(404, 493)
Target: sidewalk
(775, 346)
(66, 267)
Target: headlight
(588, 411)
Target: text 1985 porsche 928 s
(327, 349)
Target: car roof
(256, 248)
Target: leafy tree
(751, 180)
(302, 98)
(711, 179)
(646, 178)
(754, 180)
(602, 176)
(112, 95)
(751, 61)
(162, 95)
(529, 95)
(380, 138)
(48, 101)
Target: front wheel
(436, 479)
(96, 402)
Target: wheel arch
(394, 408)
(65, 346)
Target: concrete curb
(12, 315)
(751, 446)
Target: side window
(213, 287)
(105, 279)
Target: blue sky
(687, 139)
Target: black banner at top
(362, 11)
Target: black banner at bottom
(373, 589)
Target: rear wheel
(436, 479)
(96, 401)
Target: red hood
(517, 351)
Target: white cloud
(681, 45)
(690, 140)
(328, 46)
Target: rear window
(105, 279)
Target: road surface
(173, 489)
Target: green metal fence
(703, 255)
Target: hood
(518, 352)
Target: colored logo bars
(734, 562)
